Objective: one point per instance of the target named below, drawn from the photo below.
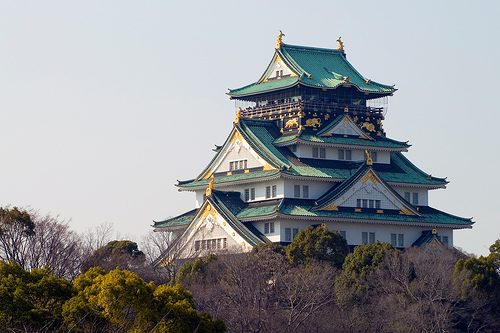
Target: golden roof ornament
(368, 158)
(210, 187)
(238, 115)
(341, 44)
(279, 42)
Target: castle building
(308, 148)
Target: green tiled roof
(178, 221)
(316, 67)
(430, 216)
(261, 136)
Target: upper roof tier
(313, 67)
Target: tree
(124, 254)
(319, 244)
(31, 300)
(16, 227)
(121, 300)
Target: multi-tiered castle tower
(308, 148)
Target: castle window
(274, 189)
(269, 228)
(249, 194)
(372, 237)
(341, 154)
(348, 154)
(322, 153)
(268, 192)
(368, 237)
(238, 165)
(295, 231)
(415, 198)
(345, 154)
(211, 244)
(296, 191)
(377, 204)
(373, 155)
(407, 196)
(444, 239)
(315, 152)
(288, 234)
(342, 233)
(305, 191)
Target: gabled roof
(364, 174)
(314, 67)
(427, 237)
(265, 139)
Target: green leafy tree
(124, 254)
(358, 266)
(318, 244)
(31, 300)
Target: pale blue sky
(105, 104)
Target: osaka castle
(308, 147)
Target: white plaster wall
(260, 189)
(423, 194)
(305, 151)
(354, 231)
(316, 189)
(235, 155)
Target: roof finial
(341, 44)
(368, 158)
(279, 41)
(210, 187)
(238, 115)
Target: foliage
(31, 299)
(319, 244)
(191, 270)
(15, 227)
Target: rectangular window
(247, 194)
(377, 204)
(341, 154)
(372, 238)
(315, 152)
(295, 231)
(238, 165)
(407, 196)
(358, 203)
(394, 239)
(373, 155)
(322, 153)
(305, 191)
(296, 191)
(269, 228)
(348, 155)
(252, 193)
(415, 198)
(444, 239)
(197, 245)
(224, 243)
(342, 233)
(219, 243)
(364, 237)
(401, 240)
(365, 203)
(268, 192)
(371, 203)
(288, 234)
(274, 190)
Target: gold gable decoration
(369, 176)
(405, 211)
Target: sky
(104, 105)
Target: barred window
(296, 191)
(373, 155)
(295, 231)
(415, 198)
(252, 193)
(305, 191)
(348, 154)
(341, 154)
(269, 228)
(288, 234)
(372, 238)
(268, 192)
(274, 189)
(315, 152)
(238, 165)
(364, 237)
(322, 153)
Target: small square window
(444, 239)
(296, 191)
(315, 152)
(372, 238)
(341, 154)
(364, 238)
(415, 198)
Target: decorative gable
(369, 191)
(236, 154)
(345, 126)
(278, 69)
(207, 233)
